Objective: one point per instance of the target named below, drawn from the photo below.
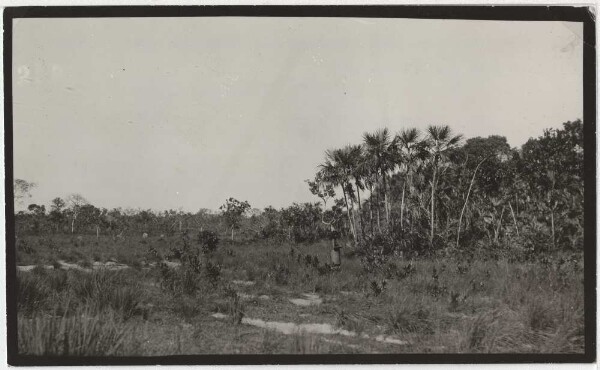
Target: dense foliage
(425, 192)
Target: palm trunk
(433, 205)
(73, 225)
(497, 231)
(514, 218)
(378, 205)
(360, 215)
(402, 206)
(353, 214)
(552, 222)
(97, 232)
(349, 217)
(385, 202)
(371, 207)
(466, 200)
(232, 233)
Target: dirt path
(290, 328)
(62, 265)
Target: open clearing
(262, 300)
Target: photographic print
(306, 184)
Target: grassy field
(260, 297)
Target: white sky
(185, 112)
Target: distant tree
(57, 204)
(56, 214)
(145, 217)
(552, 165)
(75, 202)
(22, 190)
(321, 187)
(90, 215)
(37, 209)
(496, 151)
(37, 212)
(270, 223)
(302, 221)
(233, 211)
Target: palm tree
(440, 140)
(408, 142)
(358, 170)
(379, 150)
(337, 171)
(369, 181)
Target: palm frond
(409, 136)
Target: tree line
(235, 220)
(415, 191)
(433, 190)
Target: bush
(23, 246)
(410, 320)
(235, 307)
(185, 280)
(280, 274)
(375, 251)
(391, 270)
(212, 272)
(186, 307)
(208, 240)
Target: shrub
(186, 307)
(410, 320)
(391, 270)
(375, 251)
(325, 269)
(185, 280)
(280, 274)
(154, 255)
(235, 308)
(212, 272)
(208, 240)
(378, 287)
(487, 329)
(23, 246)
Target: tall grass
(83, 334)
(100, 291)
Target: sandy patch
(310, 300)
(289, 328)
(243, 282)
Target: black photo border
(465, 12)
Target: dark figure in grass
(335, 252)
